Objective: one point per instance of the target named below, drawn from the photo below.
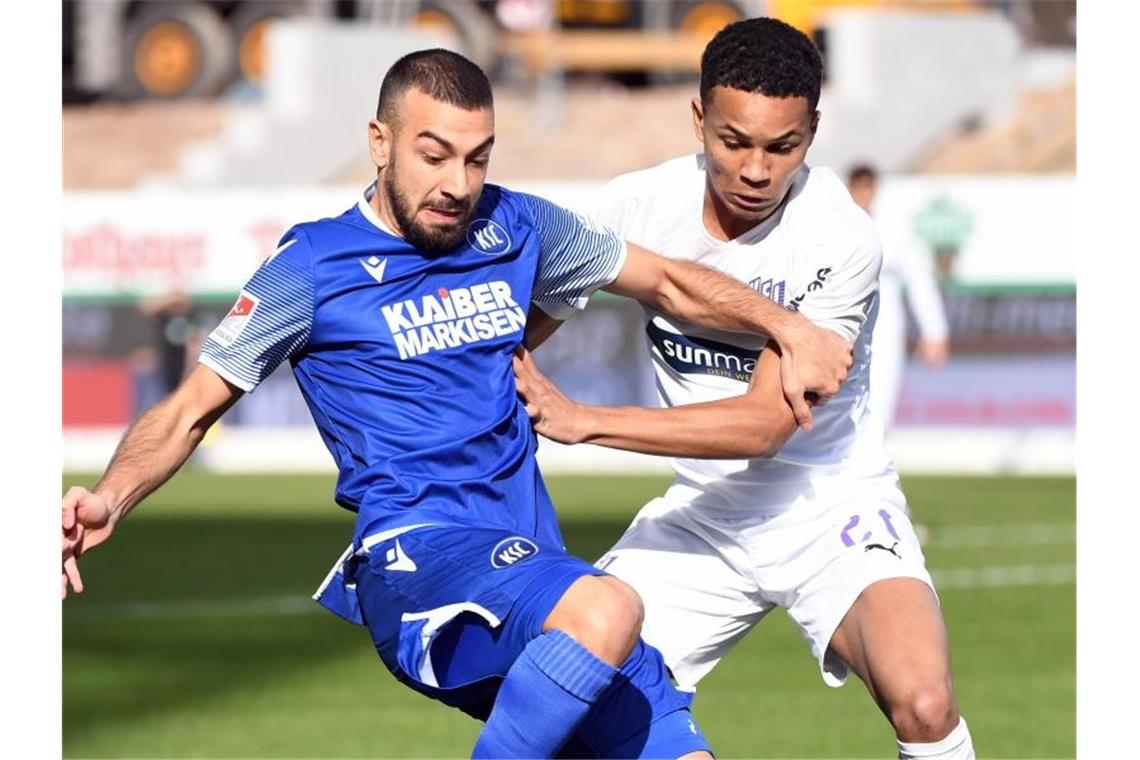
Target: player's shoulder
(328, 235)
(497, 200)
(521, 213)
(823, 211)
(827, 201)
(666, 178)
(512, 207)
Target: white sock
(956, 746)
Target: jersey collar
(365, 208)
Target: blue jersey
(404, 358)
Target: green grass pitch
(195, 637)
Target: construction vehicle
(171, 49)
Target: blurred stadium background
(195, 133)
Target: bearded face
(436, 225)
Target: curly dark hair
(762, 55)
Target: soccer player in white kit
(904, 268)
(762, 514)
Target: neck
(380, 204)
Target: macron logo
(399, 561)
(511, 550)
(488, 237)
(375, 266)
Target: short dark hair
(763, 55)
(861, 172)
(445, 76)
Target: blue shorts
(451, 606)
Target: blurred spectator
(160, 367)
(904, 269)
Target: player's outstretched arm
(152, 450)
(755, 424)
(816, 360)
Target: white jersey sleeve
(271, 319)
(576, 259)
(839, 296)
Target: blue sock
(545, 695)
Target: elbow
(666, 299)
(762, 445)
(753, 439)
(668, 293)
(768, 434)
(770, 447)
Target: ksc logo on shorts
(488, 236)
(512, 550)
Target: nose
(455, 184)
(756, 171)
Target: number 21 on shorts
(849, 533)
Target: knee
(604, 616)
(925, 715)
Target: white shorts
(707, 580)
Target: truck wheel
(472, 29)
(698, 17)
(705, 17)
(175, 50)
(247, 25)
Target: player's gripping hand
(813, 364)
(553, 415)
(86, 523)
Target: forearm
(151, 451)
(726, 429)
(704, 296)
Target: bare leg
(894, 639)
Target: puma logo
(890, 549)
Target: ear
(379, 143)
(698, 119)
(814, 126)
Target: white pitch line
(993, 576)
(1005, 576)
(265, 606)
(1015, 535)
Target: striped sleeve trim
(269, 323)
(577, 257)
(559, 311)
(226, 374)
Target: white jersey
(818, 253)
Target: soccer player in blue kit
(400, 318)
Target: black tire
(687, 14)
(706, 17)
(246, 28)
(175, 50)
(475, 30)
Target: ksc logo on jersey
(488, 236)
(512, 550)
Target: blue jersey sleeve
(577, 258)
(271, 320)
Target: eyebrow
(448, 146)
(741, 135)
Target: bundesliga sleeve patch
(235, 321)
